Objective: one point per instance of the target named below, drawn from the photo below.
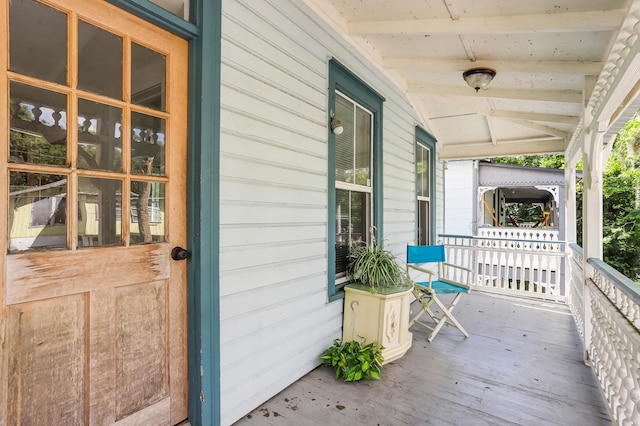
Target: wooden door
(93, 323)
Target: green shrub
(354, 360)
(374, 267)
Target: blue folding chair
(451, 279)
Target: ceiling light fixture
(479, 78)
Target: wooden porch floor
(521, 365)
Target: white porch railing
(524, 267)
(520, 233)
(606, 309)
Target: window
(425, 192)
(355, 170)
(353, 180)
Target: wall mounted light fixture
(336, 126)
(479, 78)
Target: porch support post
(591, 216)
(570, 209)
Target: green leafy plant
(354, 360)
(375, 267)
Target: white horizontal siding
(275, 318)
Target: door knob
(178, 253)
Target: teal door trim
(203, 219)
(159, 17)
(204, 216)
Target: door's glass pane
(148, 70)
(38, 126)
(37, 211)
(147, 212)
(99, 212)
(38, 42)
(99, 138)
(180, 8)
(147, 145)
(99, 61)
(363, 147)
(344, 141)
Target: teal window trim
(203, 183)
(425, 139)
(343, 80)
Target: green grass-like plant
(375, 267)
(354, 360)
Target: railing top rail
(624, 283)
(473, 237)
(575, 247)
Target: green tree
(550, 161)
(621, 198)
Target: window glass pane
(99, 139)
(363, 147)
(38, 126)
(99, 204)
(38, 42)
(423, 170)
(99, 61)
(147, 77)
(342, 231)
(147, 144)
(180, 8)
(37, 211)
(147, 212)
(352, 223)
(344, 142)
(424, 232)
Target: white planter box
(378, 317)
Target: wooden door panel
(141, 343)
(47, 361)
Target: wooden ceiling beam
(597, 20)
(487, 149)
(525, 121)
(532, 67)
(525, 95)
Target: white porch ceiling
(548, 55)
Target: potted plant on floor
(377, 301)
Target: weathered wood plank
(154, 415)
(37, 275)
(102, 357)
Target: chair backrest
(425, 254)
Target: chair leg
(425, 301)
(447, 316)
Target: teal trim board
(204, 216)
(425, 139)
(343, 80)
(158, 16)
